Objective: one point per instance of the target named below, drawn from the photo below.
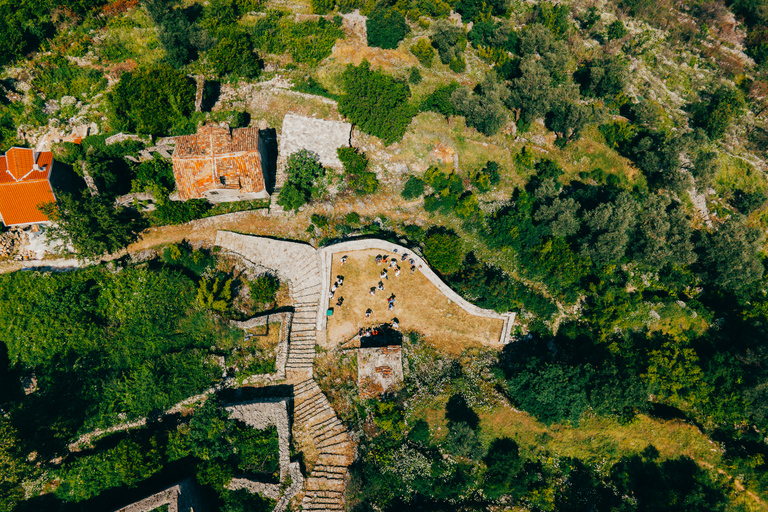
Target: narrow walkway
(299, 265)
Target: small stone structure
(316, 135)
(379, 369)
(262, 413)
(281, 358)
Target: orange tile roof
(19, 201)
(22, 187)
(20, 161)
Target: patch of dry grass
(419, 306)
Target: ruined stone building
(379, 369)
(220, 165)
(25, 185)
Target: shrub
(321, 6)
(484, 108)
(151, 100)
(717, 110)
(616, 30)
(449, 40)
(440, 100)
(352, 218)
(602, 78)
(414, 188)
(264, 288)
(356, 172)
(386, 28)
(486, 177)
(423, 51)
(376, 102)
(462, 441)
(91, 224)
(414, 76)
(304, 175)
(443, 251)
(179, 212)
(235, 55)
(217, 297)
(67, 152)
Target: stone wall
(262, 413)
(181, 497)
(281, 358)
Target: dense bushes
(386, 27)
(376, 102)
(91, 224)
(443, 250)
(151, 100)
(235, 55)
(308, 42)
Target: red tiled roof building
(25, 184)
(220, 165)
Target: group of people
(374, 331)
(391, 263)
(339, 281)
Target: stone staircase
(324, 488)
(305, 295)
(302, 268)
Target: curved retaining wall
(325, 255)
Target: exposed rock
(68, 101)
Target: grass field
(419, 306)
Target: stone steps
(305, 414)
(337, 448)
(324, 484)
(340, 471)
(337, 433)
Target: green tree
(356, 172)
(504, 465)
(92, 225)
(13, 468)
(484, 108)
(264, 288)
(568, 119)
(449, 40)
(414, 188)
(304, 180)
(176, 33)
(386, 27)
(716, 111)
(443, 251)
(731, 256)
(604, 77)
(151, 100)
(235, 55)
(616, 30)
(376, 102)
(439, 100)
